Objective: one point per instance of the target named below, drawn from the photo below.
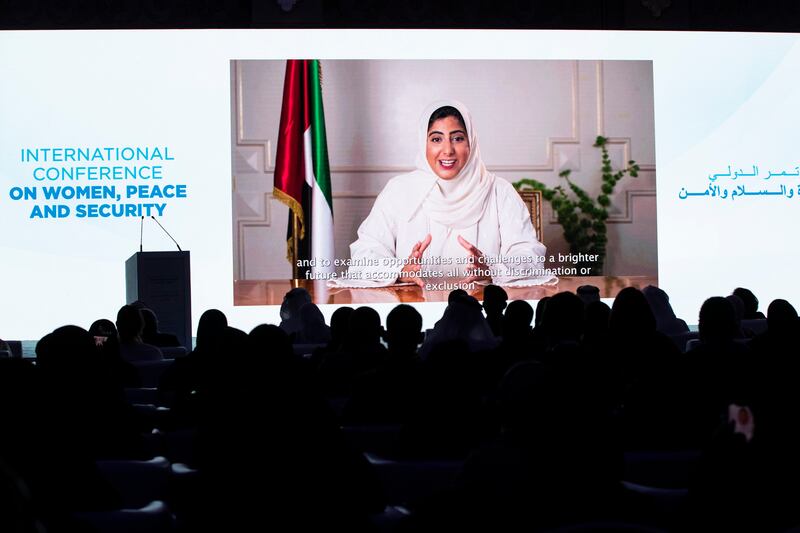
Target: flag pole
(295, 247)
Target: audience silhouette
(539, 424)
(494, 302)
(130, 326)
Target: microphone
(165, 231)
(141, 234)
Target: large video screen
(677, 145)
(522, 124)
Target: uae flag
(302, 174)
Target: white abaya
(485, 210)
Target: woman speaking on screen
(448, 219)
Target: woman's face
(447, 148)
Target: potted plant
(582, 217)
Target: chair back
(533, 201)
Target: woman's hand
(414, 262)
(477, 269)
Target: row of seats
(145, 487)
(155, 517)
(154, 492)
(170, 352)
(669, 470)
(686, 341)
(16, 348)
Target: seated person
(130, 325)
(293, 301)
(153, 335)
(450, 216)
(5, 349)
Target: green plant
(582, 217)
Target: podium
(161, 280)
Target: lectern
(161, 280)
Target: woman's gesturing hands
(477, 269)
(414, 262)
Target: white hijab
(459, 202)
